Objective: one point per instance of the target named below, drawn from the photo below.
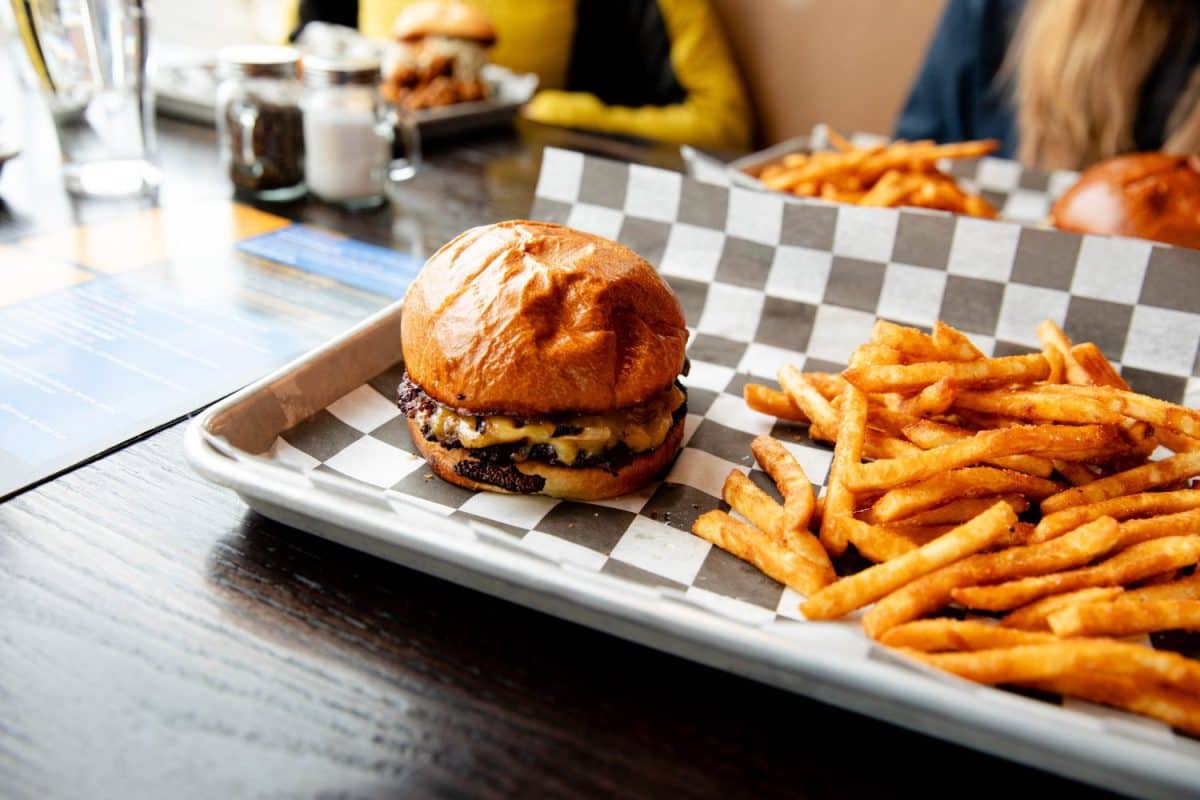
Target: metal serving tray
(237, 443)
(1020, 194)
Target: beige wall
(845, 62)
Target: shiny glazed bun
(457, 466)
(450, 19)
(536, 319)
(1147, 195)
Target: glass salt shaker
(259, 123)
(350, 131)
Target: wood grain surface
(157, 639)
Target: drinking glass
(90, 60)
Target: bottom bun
(572, 483)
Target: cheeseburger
(543, 360)
(1147, 195)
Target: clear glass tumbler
(90, 58)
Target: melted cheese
(640, 429)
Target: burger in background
(543, 360)
(1146, 195)
(441, 50)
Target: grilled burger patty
(609, 441)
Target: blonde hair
(1078, 67)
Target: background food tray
(764, 281)
(187, 89)
(1019, 194)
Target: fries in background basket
(898, 174)
(1020, 485)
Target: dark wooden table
(157, 639)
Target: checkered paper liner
(766, 282)
(1018, 193)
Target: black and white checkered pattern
(766, 282)
(1019, 194)
(642, 537)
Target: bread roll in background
(1145, 195)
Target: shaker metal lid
(359, 71)
(258, 61)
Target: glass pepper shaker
(349, 131)
(259, 123)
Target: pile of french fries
(1019, 490)
(898, 174)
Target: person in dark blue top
(1061, 83)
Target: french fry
(1039, 440)
(1126, 618)
(875, 543)
(888, 419)
(766, 400)
(872, 353)
(838, 141)
(1134, 505)
(847, 454)
(1039, 407)
(928, 434)
(753, 503)
(938, 195)
(1033, 617)
(935, 590)
(828, 384)
(1076, 474)
(768, 516)
(805, 395)
(1140, 436)
(948, 441)
(1161, 579)
(1177, 709)
(937, 635)
(1052, 337)
(879, 445)
(799, 502)
(959, 511)
(1131, 404)
(1138, 479)
(907, 501)
(773, 172)
(953, 345)
(1099, 369)
(864, 587)
(1135, 531)
(933, 399)
(760, 549)
(880, 543)
(783, 468)
(1041, 662)
(1181, 589)
(1132, 564)
(985, 422)
(980, 372)
(887, 191)
(978, 206)
(974, 149)
(916, 345)
(1177, 442)
(1058, 366)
